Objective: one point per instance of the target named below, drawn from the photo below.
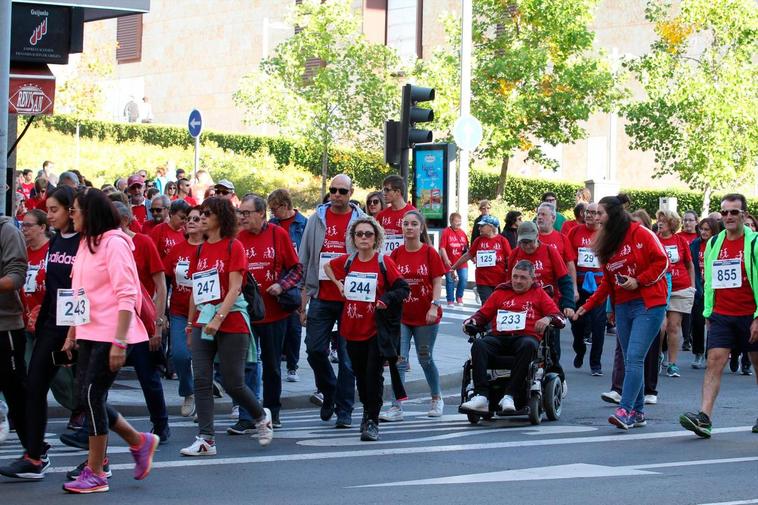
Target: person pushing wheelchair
(519, 311)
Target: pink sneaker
(143, 455)
(87, 482)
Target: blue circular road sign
(195, 123)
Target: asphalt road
(577, 460)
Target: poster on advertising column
(430, 181)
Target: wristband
(119, 344)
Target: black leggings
(13, 378)
(40, 376)
(368, 367)
(95, 379)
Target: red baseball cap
(135, 179)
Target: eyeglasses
(206, 213)
(342, 191)
(591, 212)
(374, 202)
(222, 192)
(155, 210)
(29, 225)
(362, 234)
(245, 213)
(387, 190)
(730, 212)
(194, 219)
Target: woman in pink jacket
(101, 308)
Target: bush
(366, 168)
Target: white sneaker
(188, 407)
(436, 409)
(265, 429)
(5, 428)
(507, 405)
(611, 397)
(394, 413)
(333, 357)
(292, 376)
(235, 413)
(565, 390)
(651, 399)
(201, 447)
(478, 403)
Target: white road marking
(740, 502)
(577, 470)
(616, 438)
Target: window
(403, 28)
(129, 38)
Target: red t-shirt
(677, 248)
(165, 238)
(40, 203)
(183, 252)
(454, 242)
(701, 258)
(568, 226)
(26, 189)
(535, 302)
(36, 262)
(490, 275)
(392, 220)
(689, 237)
(135, 227)
(147, 259)
(269, 254)
(149, 226)
(140, 213)
(357, 321)
(734, 301)
(419, 269)
(561, 243)
(334, 242)
(190, 201)
(548, 266)
(581, 236)
(220, 257)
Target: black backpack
(251, 292)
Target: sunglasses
(342, 191)
(156, 210)
(730, 212)
(206, 213)
(374, 202)
(194, 219)
(222, 192)
(362, 234)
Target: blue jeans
(423, 338)
(636, 328)
(451, 286)
(292, 337)
(339, 390)
(180, 354)
(145, 364)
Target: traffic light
(410, 115)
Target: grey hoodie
(13, 264)
(313, 241)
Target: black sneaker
(23, 468)
(344, 421)
(163, 434)
(327, 410)
(755, 426)
(370, 432)
(74, 474)
(745, 369)
(275, 422)
(242, 427)
(578, 360)
(78, 439)
(698, 423)
(734, 362)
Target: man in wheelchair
(520, 312)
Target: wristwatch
(437, 303)
(160, 321)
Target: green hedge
(367, 169)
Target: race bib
(30, 283)
(672, 252)
(510, 321)
(181, 274)
(361, 287)
(587, 258)
(726, 274)
(486, 258)
(323, 259)
(392, 242)
(72, 308)
(206, 286)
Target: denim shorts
(730, 332)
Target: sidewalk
(450, 351)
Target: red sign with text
(32, 90)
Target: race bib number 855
(726, 274)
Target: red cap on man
(135, 179)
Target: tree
(81, 93)
(535, 76)
(326, 84)
(698, 115)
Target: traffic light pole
(5, 64)
(404, 168)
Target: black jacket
(388, 320)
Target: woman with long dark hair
(219, 325)
(510, 230)
(101, 308)
(374, 203)
(634, 269)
